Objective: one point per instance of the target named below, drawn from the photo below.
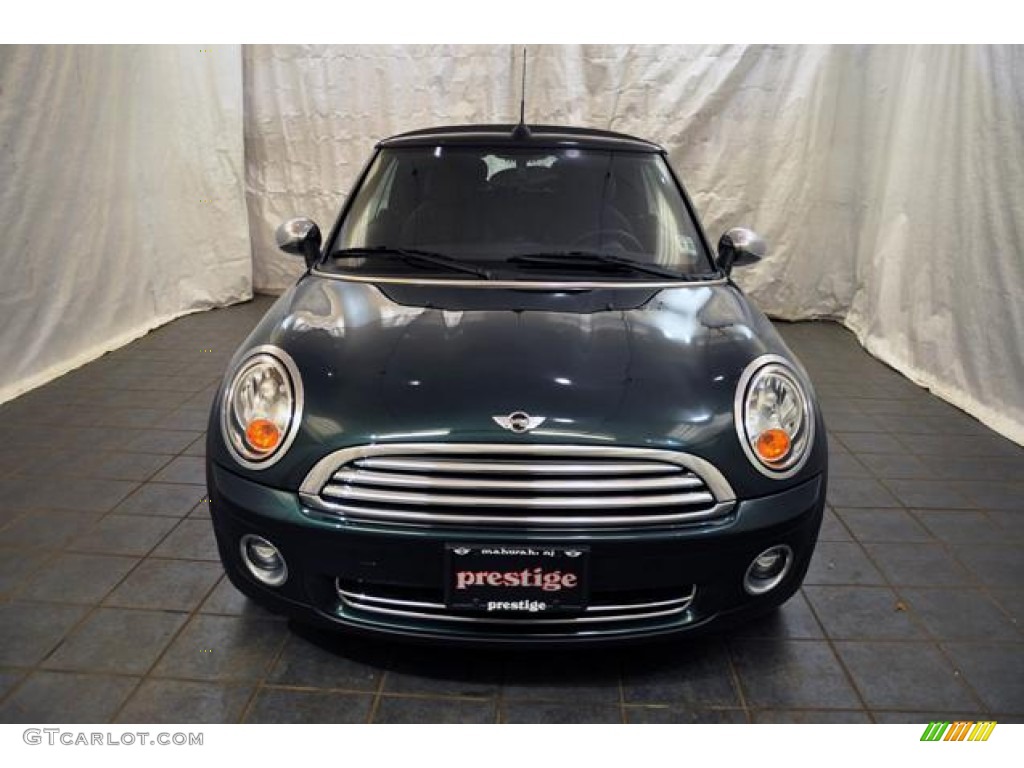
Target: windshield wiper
(593, 259)
(414, 256)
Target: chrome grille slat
(676, 481)
(536, 486)
(677, 602)
(512, 467)
(531, 521)
(489, 620)
(595, 614)
(357, 597)
(355, 493)
(601, 607)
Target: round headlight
(774, 418)
(262, 407)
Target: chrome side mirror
(739, 247)
(302, 237)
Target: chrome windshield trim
(526, 285)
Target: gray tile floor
(113, 606)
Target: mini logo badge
(519, 421)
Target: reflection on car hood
(639, 366)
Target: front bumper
(404, 567)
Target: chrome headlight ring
(265, 386)
(770, 397)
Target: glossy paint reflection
(643, 367)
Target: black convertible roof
(501, 135)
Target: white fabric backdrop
(122, 199)
(888, 181)
(939, 251)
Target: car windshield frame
(590, 262)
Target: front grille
(597, 615)
(542, 487)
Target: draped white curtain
(888, 180)
(122, 200)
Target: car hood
(636, 366)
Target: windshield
(519, 214)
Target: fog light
(263, 560)
(768, 569)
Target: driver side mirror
(302, 237)
(739, 247)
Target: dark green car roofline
(502, 135)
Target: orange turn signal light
(772, 444)
(262, 434)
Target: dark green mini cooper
(516, 398)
